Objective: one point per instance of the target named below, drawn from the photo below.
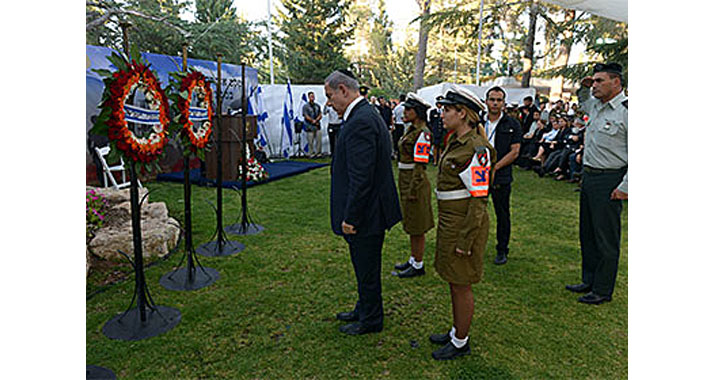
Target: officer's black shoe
(440, 339)
(500, 259)
(578, 288)
(359, 329)
(402, 266)
(348, 316)
(411, 272)
(449, 351)
(594, 299)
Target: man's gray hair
(337, 78)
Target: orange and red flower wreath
(195, 81)
(120, 88)
(122, 84)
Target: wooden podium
(232, 131)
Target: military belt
(452, 195)
(402, 166)
(601, 171)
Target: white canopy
(612, 9)
(513, 95)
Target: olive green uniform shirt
(414, 186)
(606, 134)
(463, 223)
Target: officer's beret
(363, 90)
(460, 95)
(612, 67)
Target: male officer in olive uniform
(604, 184)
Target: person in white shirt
(333, 125)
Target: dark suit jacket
(363, 193)
(508, 132)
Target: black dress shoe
(402, 266)
(348, 316)
(411, 272)
(500, 259)
(449, 351)
(579, 288)
(594, 299)
(440, 339)
(359, 329)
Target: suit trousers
(366, 255)
(501, 195)
(600, 230)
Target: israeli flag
(300, 118)
(256, 97)
(286, 142)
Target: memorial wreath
(194, 124)
(120, 87)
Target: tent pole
(270, 43)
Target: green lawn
(271, 314)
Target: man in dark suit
(363, 197)
(504, 134)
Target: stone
(160, 233)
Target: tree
(314, 34)
(157, 28)
(425, 6)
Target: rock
(160, 233)
(89, 262)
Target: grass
(271, 313)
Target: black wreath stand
(246, 225)
(221, 246)
(147, 319)
(188, 278)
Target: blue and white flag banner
(286, 142)
(140, 115)
(261, 116)
(197, 114)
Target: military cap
(614, 68)
(414, 101)
(363, 90)
(460, 95)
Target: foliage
(271, 314)
(157, 28)
(96, 210)
(313, 36)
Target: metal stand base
(99, 373)
(128, 326)
(229, 247)
(179, 278)
(249, 229)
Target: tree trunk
(529, 51)
(421, 51)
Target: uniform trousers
(600, 229)
(501, 196)
(366, 255)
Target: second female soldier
(462, 192)
(414, 187)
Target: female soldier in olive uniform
(462, 193)
(414, 187)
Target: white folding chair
(108, 170)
